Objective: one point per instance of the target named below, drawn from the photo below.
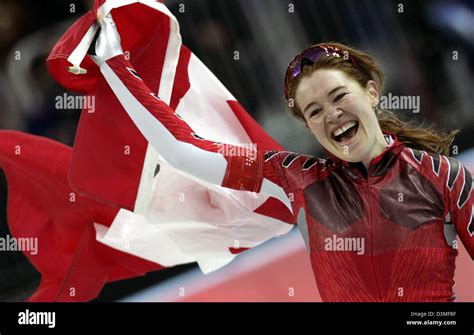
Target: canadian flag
(119, 208)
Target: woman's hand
(107, 44)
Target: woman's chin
(351, 150)
(353, 154)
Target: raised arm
(172, 137)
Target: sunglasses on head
(309, 56)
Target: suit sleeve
(460, 202)
(234, 167)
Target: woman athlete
(379, 211)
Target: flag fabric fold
(42, 206)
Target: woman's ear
(373, 91)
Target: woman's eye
(339, 97)
(314, 113)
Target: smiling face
(339, 112)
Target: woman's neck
(379, 146)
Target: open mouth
(346, 132)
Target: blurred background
(424, 47)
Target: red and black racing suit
(405, 208)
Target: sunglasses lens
(312, 54)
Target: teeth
(344, 128)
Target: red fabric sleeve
(245, 168)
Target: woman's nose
(333, 115)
